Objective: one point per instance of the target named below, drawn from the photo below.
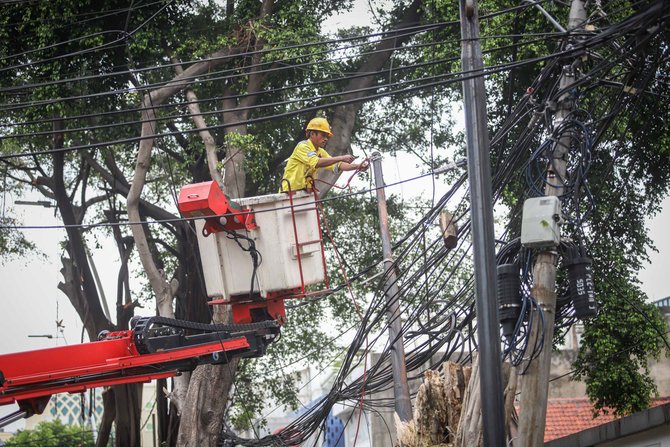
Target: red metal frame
(35, 374)
(242, 306)
(323, 249)
(207, 200)
(298, 244)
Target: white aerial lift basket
(280, 219)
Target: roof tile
(566, 416)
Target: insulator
(509, 297)
(582, 290)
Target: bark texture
(437, 408)
(345, 115)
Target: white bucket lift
(277, 224)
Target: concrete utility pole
(481, 204)
(403, 405)
(535, 383)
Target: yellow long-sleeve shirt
(301, 166)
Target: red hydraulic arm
(155, 348)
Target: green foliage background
(53, 434)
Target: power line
(270, 117)
(265, 51)
(125, 36)
(237, 96)
(189, 219)
(399, 91)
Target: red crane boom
(154, 348)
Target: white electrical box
(540, 224)
(228, 268)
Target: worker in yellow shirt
(310, 155)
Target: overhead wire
(232, 73)
(402, 32)
(369, 97)
(112, 143)
(392, 33)
(123, 141)
(111, 44)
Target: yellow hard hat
(320, 124)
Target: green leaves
(617, 348)
(255, 155)
(53, 434)
(12, 242)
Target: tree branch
(199, 122)
(345, 115)
(120, 186)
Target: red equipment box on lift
(207, 200)
(202, 199)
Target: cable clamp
(451, 166)
(373, 277)
(391, 260)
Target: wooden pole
(403, 405)
(535, 383)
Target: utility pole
(403, 405)
(481, 204)
(535, 383)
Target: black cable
(336, 103)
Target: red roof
(566, 416)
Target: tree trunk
(235, 178)
(207, 396)
(345, 115)
(128, 401)
(205, 403)
(437, 408)
(85, 300)
(469, 432)
(205, 134)
(470, 429)
(455, 383)
(108, 416)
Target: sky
(652, 276)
